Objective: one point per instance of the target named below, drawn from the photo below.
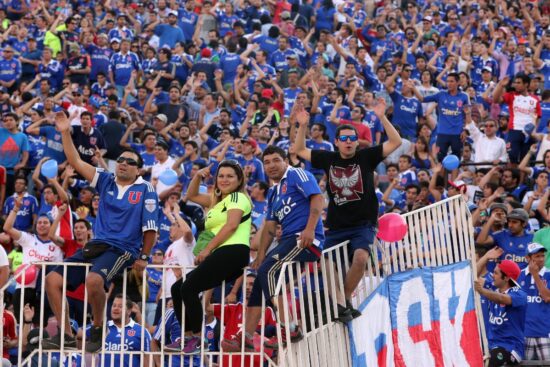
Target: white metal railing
(439, 234)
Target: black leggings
(226, 263)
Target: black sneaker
(95, 343)
(54, 343)
(344, 314)
(354, 313)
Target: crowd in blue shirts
(188, 83)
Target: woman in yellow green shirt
(227, 253)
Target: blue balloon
(451, 162)
(49, 168)
(169, 177)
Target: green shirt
(16, 258)
(217, 218)
(542, 236)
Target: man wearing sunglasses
(353, 207)
(125, 231)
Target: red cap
(522, 41)
(510, 269)
(134, 6)
(459, 185)
(267, 93)
(206, 52)
(251, 141)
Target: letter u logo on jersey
(134, 197)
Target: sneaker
(234, 344)
(95, 343)
(192, 345)
(354, 312)
(174, 347)
(344, 314)
(295, 336)
(54, 343)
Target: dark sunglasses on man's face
(129, 161)
(344, 138)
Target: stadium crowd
(199, 85)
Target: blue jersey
(450, 111)
(187, 21)
(407, 177)
(259, 210)
(154, 281)
(100, 57)
(36, 151)
(132, 342)
(169, 35)
(29, 207)
(514, 246)
(537, 324)
(229, 63)
(278, 59)
(172, 332)
(182, 69)
(506, 323)
(10, 70)
(545, 109)
(257, 169)
(54, 147)
(374, 124)
(290, 98)
(122, 66)
(406, 112)
(225, 22)
(125, 213)
(289, 201)
(53, 72)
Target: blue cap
(535, 247)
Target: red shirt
(8, 325)
(363, 131)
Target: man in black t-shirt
(353, 207)
(87, 139)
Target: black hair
(86, 223)
(133, 151)
(51, 187)
(262, 185)
(523, 77)
(345, 127)
(87, 113)
(273, 149)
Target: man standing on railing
(296, 203)
(353, 208)
(507, 306)
(125, 231)
(534, 280)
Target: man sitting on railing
(125, 231)
(296, 203)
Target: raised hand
(380, 107)
(62, 123)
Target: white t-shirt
(3, 257)
(157, 169)
(36, 250)
(179, 253)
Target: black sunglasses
(129, 161)
(229, 162)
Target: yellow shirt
(217, 218)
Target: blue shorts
(268, 273)
(361, 237)
(516, 145)
(108, 265)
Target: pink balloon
(30, 274)
(391, 227)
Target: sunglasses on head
(129, 161)
(229, 162)
(344, 138)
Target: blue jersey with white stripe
(125, 212)
(537, 325)
(122, 67)
(289, 200)
(450, 111)
(132, 342)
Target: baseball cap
(285, 15)
(33, 338)
(495, 206)
(250, 141)
(427, 18)
(459, 185)
(519, 214)
(206, 52)
(535, 247)
(267, 93)
(292, 56)
(173, 12)
(487, 68)
(117, 40)
(162, 117)
(510, 269)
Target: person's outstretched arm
(64, 127)
(303, 121)
(394, 140)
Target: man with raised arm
(353, 207)
(125, 231)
